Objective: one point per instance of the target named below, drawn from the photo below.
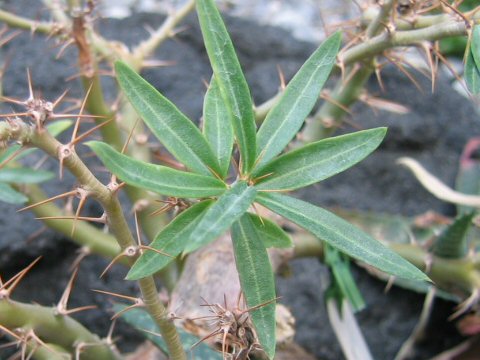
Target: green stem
(53, 328)
(147, 47)
(119, 227)
(27, 24)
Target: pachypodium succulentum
(221, 200)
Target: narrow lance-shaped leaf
(318, 161)
(171, 240)
(24, 175)
(174, 130)
(343, 284)
(285, 119)
(221, 215)
(231, 81)
(10, 195)
(141, 320)
(453, 241)
(340, 234)
(157, 178)
(270, 233)
(468, 177)
(472, 74)
(475, 45)
(217, 127)
(256, 279)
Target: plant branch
(61, 330)
(30, 25)
(377, 22)
(147, 47)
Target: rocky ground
(434, 132)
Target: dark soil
(434, 133)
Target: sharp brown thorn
(64, 47)
(130, 133)
(378, 74)
(89, 132)
(15, 114)
(146, 247)
(15, 280)
(405, 72)
(100, 220)
(9, 38)
(12, 156)
(161, 210)
(81, 203)
(80, 112)
(9, 332)
(63, 116)
(59, 99)
(53, 198)
(83, 252)
(123, 311)
(126, 297)
(12, 100)
(213, 333)
(260, 305)
(114, 260)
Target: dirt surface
(434, 133)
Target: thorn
(80, 113)
(8, 287)
(82, 194)
(130, 133)
(89, 132)
(100, 220)
(137, 229)
(257, 179)
(69, 193)
(59, 99)
(405, 72)
(61, 308)
(64, 47)
(12, 156)
(137, 302)
(129, 252)
(83, 252)
(325, 96)
(261, 220)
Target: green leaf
(157, 178)
(141, 320)
(10, 195)
(271, 234)
(475, 45)
(217, 128)
(453, 241)
(24, 175)
(343, 284)
(340, 234)
(221, 215)
(59, 127)
(472, 74)
(285, 119)
(256, 279)
(231, 81)
(318, 161)
(176, 132)
(468, 177)
(171, 240)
